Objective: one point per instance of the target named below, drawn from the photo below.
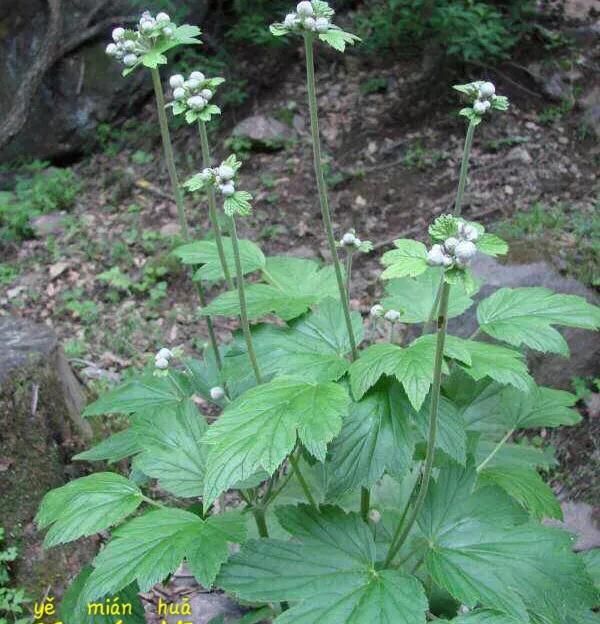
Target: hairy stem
(212, 205)
(322, 187)
(302, 481)
(183, 225)
(348, 275)
(242, 297)
(442, 324)
(498, 446)
(365, 503)
(261, 522)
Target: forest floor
(393, 144)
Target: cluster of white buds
(222, 177)
(349, 239)
(195, 92)
(161, 359)
(486, 92)
(217, 393)
(457, 250)
(306, 19)
(129, 45)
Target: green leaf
(136, 395)
(172, 451)
(526, 486)
(315, 344)
(329, 569)
(524, 316)
(375, 438)
(294, 284)
(204, 374)
(85, 506)
(506, 366)
(114, 448)
(205, 253)
(541, 407)
(73, 611)
(238, 204)
(486, 616)
(338, 39)
(444, 227)
(492, 245)
(518, 455)
(260, 428)
(278, 30)
(463, 278)
(149, 548)
(412, 366)
(409, 259)
(482, 554)
(414, 297)
(591, 559)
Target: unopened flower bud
(357, 242)
(305, 9)
(176, 81)
(226, 172)
(393, 316)
(197, 75)
(374, 516)
(468, 232)
(117, 34)
(179, 93)
(377, 311)
(206, 174)
(162, 19)
(111, 49)
(227, 189)
(310, 23)
(322, 24)
(348, 239)
(206, 94)
(196, 102)
(161, 363)
(487, 89)
(447, 261)
(291, 20)
(192, 83)
(465, 250)
(147, 25)
(435, 256)
(165, 353)
(130, 60)
(481, 106)
(450, 244)
(217, 393)
(168, 31)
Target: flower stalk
(322, 187)
(178, 194)
(403, 530)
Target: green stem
(212, 206)
(365, 503)
(183, 225)
(302, 481)
(348, 274)
(242, 297)
(152, 502)
(464, 169)
(261, 522)
(498, 446)
(435, 399)
(322, 187)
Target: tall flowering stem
(177, 192)
(403, 529)
(322, 187)
(212, 205)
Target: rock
(263, 131)
(586, 35)
(170, 229)
(207, 606)
(590, 103)
(578, 518)
(49, 224)
(82, 89)
(547, 369)
(40, 403)
(579, 9)
(520, 154)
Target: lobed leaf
(409, 259)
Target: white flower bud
(192, 84)
(163, 19)
(322, 24)
(227, 189)
(161, 363)
(447, 261)
(450, 244)
(435, 256)
(468, 232)
(168, 31)
(217, 393)
(310, 23)
(291, 20)
(374, 516)
(348, 239)
(197, 75)
(130, 60)
(196, 102)
(376, 311)
(465, 250)
(179, 93)
(226, 172)
(393, 316)
(487, 89)
(176, 81)
(111, 49)
(117, 34)
(206, 174)
(165, 353)
(207, 94)
(305, 9)
(481, 106)
(357, 242)
(147, 25)
(128, 45)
